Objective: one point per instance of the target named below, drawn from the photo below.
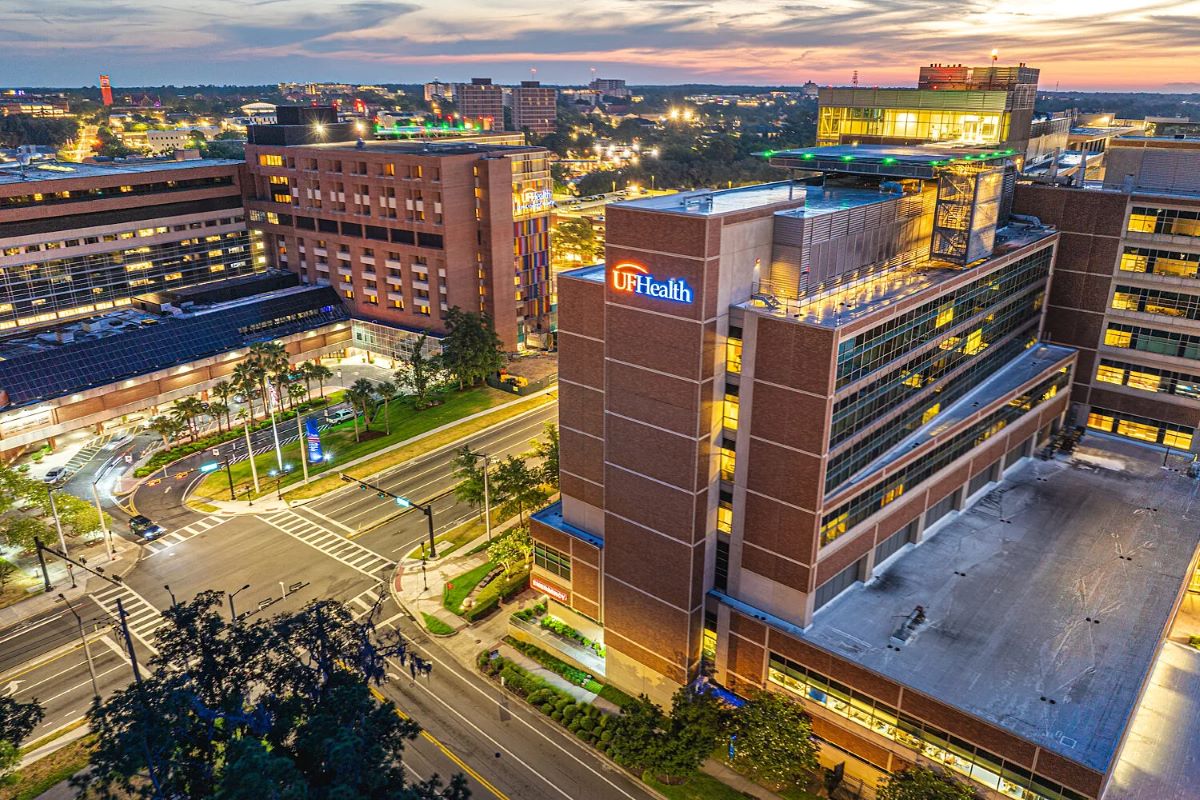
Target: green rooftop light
(847, 158)
(807, 156)
(889, 161)
(934, 163)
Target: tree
(274, 708)
(547, 450)
(319, 373)
(17, 720)
(471, 350)
(468, 471)
(7, 571)
(574, 240)
(187, 409)
(219, 411)
(921, 783)
(419, 373)
(296, 393)
(519, 486)
(774, 740)
(166, 427)
(699, 723)
(361, 395)
(512, 549)
(387, 391)
(223, 390)
(637, 733)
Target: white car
(56, 475)
(341, 415)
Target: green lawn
(17, 587)
(46, 772)
(462, 586)
(435, 625)
(698, 787)
(339, 441)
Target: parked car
(340, 415)
(56, 475)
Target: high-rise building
(534, 108)
(773, 395)
(481, 101)
(1125, 291)
(105, 91)
(407, 230)
(609, 87)
(83, 238)
(437, 90)
(983, 106)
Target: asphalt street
(344, 545)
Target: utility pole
(250, 455)
(62, 540)
(42, 563)
(87, 650)
(403, 502)
(103, 525)
(487, 496)
(121, 615)
(233, 613)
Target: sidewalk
(737, 781)
(40, 602)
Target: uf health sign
(630, 278)
(312, 441)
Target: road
(344, 545)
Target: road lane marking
(520, 718)
(29, 628)
(429, 737)
(336, 546)
(180, 536)
(142, 617)
(331, 520)
(99, 675)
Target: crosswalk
(167, 541)
(334, 545)
(144, 619)
(361, 604)
(285, 438)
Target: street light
(87, 651)
(216, 465)
(278, 476)
(232, 613)
(62, 540)
(103, 525)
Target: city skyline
(1102, 45)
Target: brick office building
(407, 230)
(1125, 293)
(768, 396)
(481, 101)
(534, 108)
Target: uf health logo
(631, 278)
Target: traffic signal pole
(403, 502)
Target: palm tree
(165, 427)
(356, 398)
(224, 390)
(320, 373)
(296, 392)
(305, 369)
(218, 410)
(187, 409)
(245, 379)
(387, 390)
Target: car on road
(56, 475)
(340, 415)
(151, 533)
(139, 523)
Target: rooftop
(708, 202)
(1022, 369)
(65, 170)
(1056, 586)
(447, 148)
(902, 161)
(52, 362)
(845, 303)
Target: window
(721, 565)
(1141, 428)
(728, 460)
(731, 407)
(1144, 381)
(270, 160)
(733, 350)
(1117, 338)
(553, 561)
(725, 516)
(836, 585)
(1137, 430)
(1109, 374)
(945, 315)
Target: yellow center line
(484, 782)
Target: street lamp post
(62, 540)
(232, 613)
(103, 525)
(250, 456)
(87, 650)
(278, 476)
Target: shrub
(587, 723)
(570, 712)
(547, 708)
(562, 703)
(605, 736)
(556, 716)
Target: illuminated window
(172, 276)
(834, 528)
(278, 180)
(1142, 221)
(282, 198)
(728, 463)
(731, 411)
(1144, 381)
(1125, 301)
(1178, 439)
(1109, 374)
(1137, 430)
(725, 517)
(1100, 422)
(733, 351)
(931, 412)
(974, 342)
(945, 315)
(270, 161)
(892, 494)
(216, 268)
(1116, 338)
(1132, 261)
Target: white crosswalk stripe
(362, 604)
(334, 545)
(144, 619)
(183, 534)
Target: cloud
(1078, 43)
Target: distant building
(612, 87)
(482, 101)
(980, 106)
(1049, 136)
(105, 91)
(405, 231)
(534, 107)
(34, 106)
(810, 90)
(1123, 291)
(437, 90)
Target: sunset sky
(1078, 44)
